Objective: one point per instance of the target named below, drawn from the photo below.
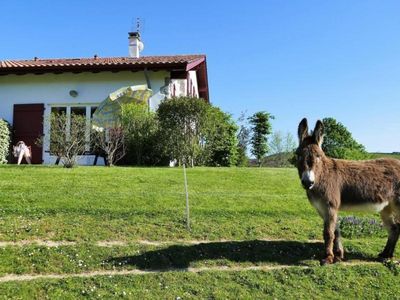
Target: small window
(69, 112)
(59, 110)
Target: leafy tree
(182, 121)
(261, 128)
(339, 143)
(219, 139)
(4, 141)
(140, 128)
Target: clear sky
(294, 59)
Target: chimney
(135, 45)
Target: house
(31, 89)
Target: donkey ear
(302, 131)
(318, 133)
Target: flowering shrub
(352, 226)
(4, 141)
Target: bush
(141, 134)
(4, 141)
(111, 143)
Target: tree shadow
(256, 251)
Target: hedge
(4, 141)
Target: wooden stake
(187, 198)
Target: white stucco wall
(193, 78)
(53, 89)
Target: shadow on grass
(274, 252)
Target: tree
(140, 127)
(243, 138)
(261, 128)
(182, 121)
(280, 143)
(339, 143)
(282, 149)
(4, 141)
(67, 137)
(219, 139)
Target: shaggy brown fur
(336, 184)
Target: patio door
(28, 127)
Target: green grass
(249, 217)
(88, 204)
(395, 155)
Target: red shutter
(28, 127)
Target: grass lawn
(250, 221)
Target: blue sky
(293, 59)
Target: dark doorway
(28, 127)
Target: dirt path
(14, 277)
(49, 243)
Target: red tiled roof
(114, 64)
(96, 63)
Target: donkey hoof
(384, 256)
(337, 259)
(327, 261)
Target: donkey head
(309, 153)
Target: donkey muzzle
(308, 179)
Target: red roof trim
(195, 63)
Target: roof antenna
(138, 25)
(135, 44)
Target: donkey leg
(329, 237)
(338, 250)
(393, 228)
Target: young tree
(243, 138)
(339, 143)
(182, 122)
(280, 143)
(282, 149)
(261, 128)
(67, 137)
(111, 143)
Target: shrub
(4, 141)
(141, 134)
(111, 143)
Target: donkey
(337, 184)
